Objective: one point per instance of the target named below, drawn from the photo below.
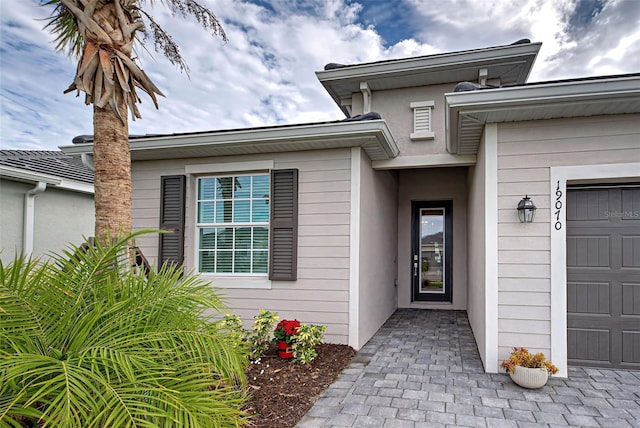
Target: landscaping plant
(259, 337)
(522, 357)
(307, 338)
(87, 342)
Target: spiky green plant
(86, 342)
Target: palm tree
(101, 34)
(87, 342)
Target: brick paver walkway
(422, 369)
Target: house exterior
(342, 222)
(46, 202)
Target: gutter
(28, 223)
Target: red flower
(286, 330)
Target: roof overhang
(22, 175)
(511, 64)
(373, 136)
(468, 112)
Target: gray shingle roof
(47, 162)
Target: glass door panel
(432, 274)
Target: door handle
(415, 269)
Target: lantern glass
(526, 210)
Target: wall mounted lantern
(526, 210)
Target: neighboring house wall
(434, 184)
(526, 151)
(378, 244)
(476, 252)
(61, 218)
(321, 293)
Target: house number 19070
(558, 205)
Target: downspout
(87, 160)
(366, 97)
(29, 217)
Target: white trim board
(558, 202)
(491, 248)
(354, 251)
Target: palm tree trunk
(112, 175)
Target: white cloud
(265, 74)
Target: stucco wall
(61, 217)
(378, 244)
(394, 107)
(433, 185)
(476, 252)
(321, 293)
(526, 151)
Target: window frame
(259, 278)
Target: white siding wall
(321, 293)
(378, 248)
(526, 151)
(476, 252)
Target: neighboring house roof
(53, 167)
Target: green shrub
(258, 338)
(305, 341)
(84, 341)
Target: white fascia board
(28, 176)
(376, 129)
(444, 61)
(425, 161)
(544, 94)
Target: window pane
(241, 211)
(243, 238)
(260, 238)
(260, 211)
(242, 188)
(205, 212)
(223, 262)
(206, 188)
(242, 262)
(208, 239)
(207, 261)
(225, 188)
(260, 261)
(225, 238)
(260, 186)
(223, 211)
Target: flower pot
(285, 351)
(530, 378)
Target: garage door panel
(588, 251)
(589, 345)
(631, 347)
(630, 251)
(631, 299)
(603, 277)
(588, 297)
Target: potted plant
(528, 370)
(284, 334)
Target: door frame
(447, 206)
(559, 176)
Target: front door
(432, 238)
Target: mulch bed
(283, 391)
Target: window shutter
(283, 236)
(172, 201)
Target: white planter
(530, 378)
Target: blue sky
(265, 75)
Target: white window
(232, 224)
(422, 112)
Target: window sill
(417, 136)
(237, 281)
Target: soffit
(469, 112)
(511, 64)
(373, 136)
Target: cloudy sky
(264, 75)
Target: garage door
(603, 276)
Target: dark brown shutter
(283, 236)
(172, 197)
